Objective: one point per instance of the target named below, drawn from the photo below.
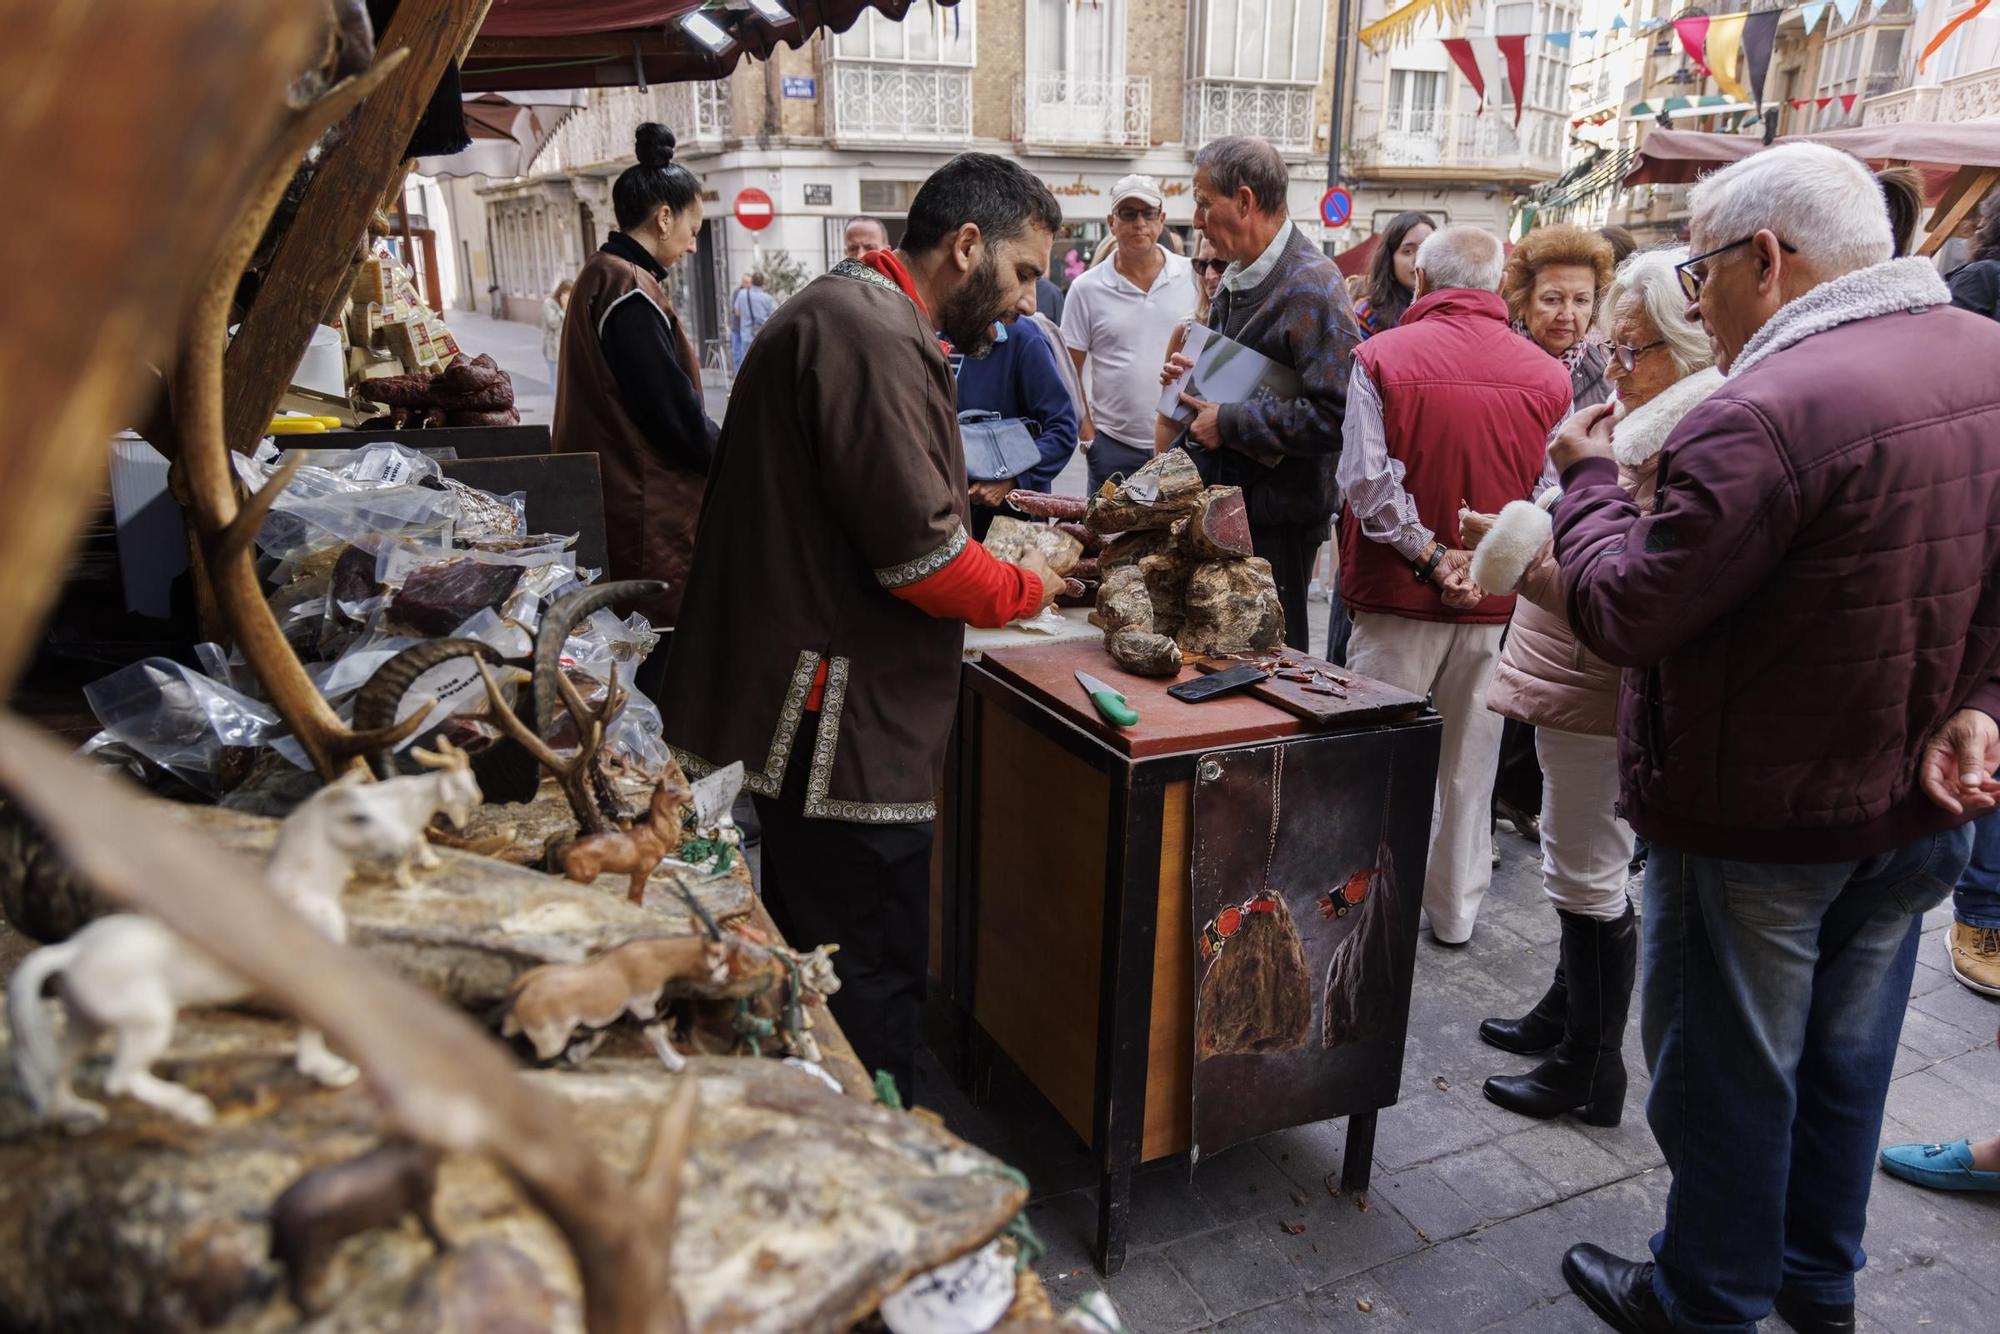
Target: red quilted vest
(1468, 407)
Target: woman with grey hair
(1660, 366)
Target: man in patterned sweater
(1279, 296)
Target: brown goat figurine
(329, 1204)
(635, 851)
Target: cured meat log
(1143, 653)
(1044, 506)
(1219, 528)
(465, 393)
(1087, 568)
(1012, 539)
(1122, 602)
(1232, 607)
(1166, 489)
(1091, 541)
(1131, 548)
(1256, 995)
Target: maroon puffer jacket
(1817, 589)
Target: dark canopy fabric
(532, 44)
(1678, 157)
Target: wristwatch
(1422, 569)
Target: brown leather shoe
(1975, 956)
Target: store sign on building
(801, 86)
(819, 196)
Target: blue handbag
(996, 447)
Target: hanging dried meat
(1219, 528)
(1360, 978)
(1231, 606)
(1256, 995)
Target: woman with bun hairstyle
(629, 388)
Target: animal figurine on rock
(637, 850)
(130, 976)
(449, 789)
(327, 1205)
(550, 1003)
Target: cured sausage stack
(466, 393)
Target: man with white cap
(1117, 319)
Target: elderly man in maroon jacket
(1809, 620)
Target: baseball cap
(1143, 188)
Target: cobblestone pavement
(1471, 1207)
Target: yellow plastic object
(297, 426)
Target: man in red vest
(1448, 409)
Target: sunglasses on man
(1137, 214)
(1691, 281)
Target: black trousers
(866, 888)
(1290, 548)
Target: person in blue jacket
(1019, 378)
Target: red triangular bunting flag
(1847, 101)
(1460, 51)
(1576, 124)
(1822, 102)
(1694, 38)
(1514, 50)
(1798, 102)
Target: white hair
(1821, 201)
(1649, 275)
(1461, 256)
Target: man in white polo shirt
(1116, 320)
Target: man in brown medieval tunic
(820, 637)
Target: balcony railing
(1064, 111)
(876, 101)
(1279, 112)
(600, 134)
(1460, 141)
(1972, 96)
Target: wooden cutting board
(1367, 701)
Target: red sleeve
(976, 587)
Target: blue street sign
(1336, 206)
(798, 85)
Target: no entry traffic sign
(754, 209)
(1336, 206)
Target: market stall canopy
(613, 43)
(507, 130)
(1678, 157)
(1355, 261)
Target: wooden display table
(1062, 927)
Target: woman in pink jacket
(1660, 368)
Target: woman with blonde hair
(553, 307)
(1660, 366)
(1551, 285)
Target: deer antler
(225, 527)
(442, 1080)
(576, 775)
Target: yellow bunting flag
(1725, 44)
(1398, 25)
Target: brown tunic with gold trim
(838, 477)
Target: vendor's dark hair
(1000, 197)
(654, 180)
(1986, 241)
(1385, 294)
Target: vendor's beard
(967, 316)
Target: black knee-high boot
(1586, 1074)
(1536, 1031)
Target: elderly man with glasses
(1117, 318)
(1809, 619)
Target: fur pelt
(1879, 289)
(1505, 553)
(1642, 433)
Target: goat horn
(379, 699)
(558, 621)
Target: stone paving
(1471, 1207)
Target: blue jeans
(1107, 456)
(1772, 1003)
(1977, 902)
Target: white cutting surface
(1076, 625)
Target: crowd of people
(1692, 548)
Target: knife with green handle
(1109, 702)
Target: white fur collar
(1638, 435)
(1879, 289)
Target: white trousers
(1586, 848)
(1452, 663)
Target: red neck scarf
(885, 263)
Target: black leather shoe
(1619, 1292)
(1536, 1031)
(1816, 1317)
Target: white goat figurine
(449, 789)
(132, 976)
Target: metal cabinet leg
(1124, 1005)
(1359, 1159)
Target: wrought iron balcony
(1064, 111)
(1405, 144)
(883, 101)
(1280, 112)
(600, 135)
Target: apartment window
(926, 35)
(1263, 41)
(1082, 41)
(1414, 97)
